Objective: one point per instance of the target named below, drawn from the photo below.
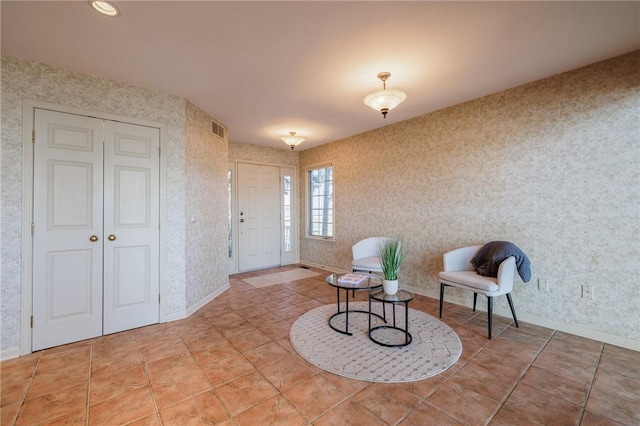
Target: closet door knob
(112, 237)
(93, 238)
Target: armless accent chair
(459, 272)
(365, 255)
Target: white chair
(365, 255)
(459, 272)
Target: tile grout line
(148, 379)
(583, 408)
(515, 385)
(446, 380)
(23, 399)
(478, 344)
(213, 388)
(200, 367)
(282, 394)
(88, 404)
(347, 397)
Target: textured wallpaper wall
(27, 80)
(262, 154)
(206, 201)
(551, 166)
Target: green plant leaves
(391, 257)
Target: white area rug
(435, 346)
(280, 277)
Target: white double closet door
(95, 227)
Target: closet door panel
(67, 229)
(131, 227)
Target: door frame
(28, 121)
(295, 256)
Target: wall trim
(201, 303)
(535, 320)
(325, 267)
(10, 353)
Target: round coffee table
(371, 282)
(401, 297)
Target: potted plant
(391, 257)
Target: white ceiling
(264, 68)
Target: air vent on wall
(218, 129)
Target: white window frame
(308, 203)
(233, 259)
(291, 256)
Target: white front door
(258, 216)
(95, 239)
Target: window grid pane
(321, 202)
(229, 218)
(287, 213)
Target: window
(287, 213)
(320, 202)
(229, 214)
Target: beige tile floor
(231, 364)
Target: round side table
(401, 297)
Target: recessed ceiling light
(104, 7)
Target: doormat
(434, 348)
(280, 277)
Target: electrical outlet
(587, 292)
(543, 285)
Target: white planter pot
(390, 287)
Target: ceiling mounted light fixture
(292, 140)
(384, 100)
(105, 7)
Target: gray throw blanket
(491, 255)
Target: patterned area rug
(280, 277)
(435, 346)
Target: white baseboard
(175, 316)
(15, 352)
(10, 353)
(325, 267)
(542, 322)
(193, 309)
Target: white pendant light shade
(292, 140)
(384, 100)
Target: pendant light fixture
(384, 100)
(292, 140)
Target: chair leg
(475, 299)
(513, 310)
(441, 297)
(489, 313)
